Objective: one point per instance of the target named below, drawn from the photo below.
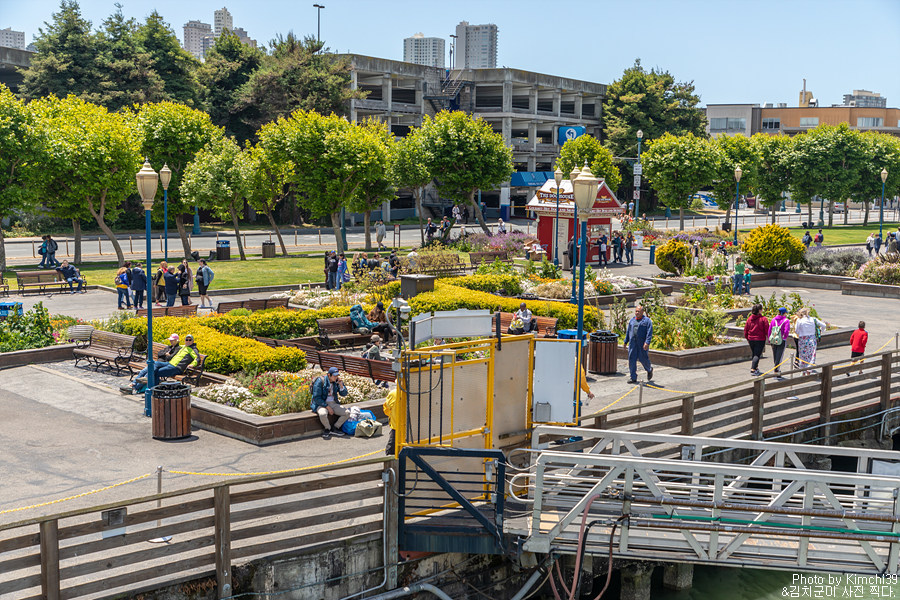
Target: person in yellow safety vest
(390, 403)
(185, 356)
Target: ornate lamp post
(572, 177)
(165, 176)
(737, 199)
(147, 180)
(884, 175)
(637, 201)
(557, 177)
(585, 191)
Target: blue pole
(196, 230)
(165, 226)
(556, 231)
(637, 201)
(737, 200)
(150, 375)
(881, 212)
(580, 332)
(573, 258)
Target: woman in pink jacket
(756, 331)
(782, 323)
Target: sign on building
(570, 133)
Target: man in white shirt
(528, 321)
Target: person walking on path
(50, 257)
(617, 247)
(331, 282)
(170, 279)
(737, 280)
(629, 248)
(159, 282)
(807, 239)
(184, 285)
(457, 214)
(343, 275)
(138, 285)
(121, 283)
(602, 245)
(380, 232)
(820, 239)
(638, 336)
(858, 341)
(870, 244)
(756, 331)
(325, 393)
(877, 244)
(204, 278)
(43, 252)
(190, 278)
(809, 330)
(779, 330)
(747, 278)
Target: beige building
(12, 39)
(421, 50)
(222, 20)
(194, 32)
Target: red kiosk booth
(606, 206)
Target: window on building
(727, 124)
(737, 124)
(869, 121)
(809, 121)
(771, 123)
(718, 124)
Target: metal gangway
(708, 501)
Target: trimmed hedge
(509, 284)
(225, 353)
(275, 322)
(772, 247)
(673, 257)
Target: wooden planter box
(874, 290)
(776, 278)
(20, 358)
(733, 313)
(262, 431)
(629, 296)
(698, 358)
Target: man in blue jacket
(637, 341)
(325, 392)
(71, 276)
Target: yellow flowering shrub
(673, 257)
(772, 247)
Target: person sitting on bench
(529, 323)
(71, 276)
(172, 361)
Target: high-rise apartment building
(12, 39)
(865, 99)
(244, 36)
(476, 46)
(421, 50)
(222, 20)
(194, 32)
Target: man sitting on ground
(171, 361)
(71, 275)
(325, 392)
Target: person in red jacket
(858, 341)
(756, 331)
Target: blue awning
(530, 178)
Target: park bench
(192, 375)
(185, 310)
(252, 304)
(442, 265)
(377, 370)
(477, 258)
(42, 281)
(115, 350)
(546, 326)
(340, 330)
(80, 335)
(4, 287)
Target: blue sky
(749, 51)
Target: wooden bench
(184, 310)
(42, 281)
(252, 304)
(340, 330)
(377, 370)
(427, 265)
(115, 350)
(191, 376)
(476, 259)
(546, 326)
(80, 335)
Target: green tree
(297, 75)
(218, 179)
(173, 64)
(409, 169)
(378, 187)
(91, 159)
(173, 134)
(127, 74)
(21, 155)
(732, 152)
(465, 155)
(575, 152)
(679, 166)
(830, 157)
(773, 172)
(65, 60)
(228, 65)
(269, 183)
(882, 151)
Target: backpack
(775, 335)
(118, 281)
(360, 321)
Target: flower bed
(883, 270)
(30, 330)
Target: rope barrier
(81, 495)
(611, 404)
(279, 472)
(656, 387)
(773, 368)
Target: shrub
(884, 269)
(825, 261)
(225, 353)
(673, 257)
(674, 331)
(274, 323)
(772, 247)
(31, 330)
(507, 283)
(604, 288)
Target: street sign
(637, 194)
(638, 169)
(637, 181)
(570, 133)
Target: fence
(193, 533)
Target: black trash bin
(603, 352)
(223, 250)
(268, 249)
(171, 410)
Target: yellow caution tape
(83, 494)
(298, 469)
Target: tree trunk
(727, 214)
(182, 233)
(478, 214)
(830, 213)
(336, 226)
(237, 230)
(846, 210)
(866, 216)
(277, 231)
(76, 226)
(367, 221)
(2, 249)
(681, 220)
(98, 216)
(809, 208)
(418, 195)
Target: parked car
(838, 207)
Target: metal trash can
(652, 254)
(268, 249)
(223, 250)
(603, 352)
(171, 410)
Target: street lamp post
(821, 211)
(584, 189)
(572, 177)
(165, 176)
(557, 177)
(737, 198)
(637, 200)
(884, 175)
(453, 38)
(318, 8)
(147, 180)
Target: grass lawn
(851, 234)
